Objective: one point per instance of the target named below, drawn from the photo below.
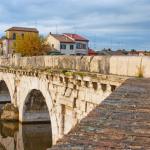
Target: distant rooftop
(76, 37)
(22, 29)
(62, 38)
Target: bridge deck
(122, 121)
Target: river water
(15, 136)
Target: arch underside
(4, 93)
(35, 108)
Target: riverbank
(1, 106)
(8, 112)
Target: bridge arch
(10, 83)
(5, 95)
(35, 108)
(25, 98)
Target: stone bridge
(63, 90)
(64, 100)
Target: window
(14, 36)
(81, 46)
(22, 35)
(62, 46)
(78, 46)
(71, 47)
(52, 45)
(84, 46)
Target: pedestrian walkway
(121, 122)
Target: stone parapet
(118, 65)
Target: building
(137, 53)
(91, 52)
(68, 44)
(81, 43)
(109, 52)
(12, 34)
(1, 46)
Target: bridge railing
(138, 66)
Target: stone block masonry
(68, 95)
(117, 65)
(73, 86)
(120, 122)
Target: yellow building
(12, 34)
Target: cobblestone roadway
(121, 122)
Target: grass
(140, 73)
(72, 73)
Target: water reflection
(14, 136)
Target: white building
(69, 44)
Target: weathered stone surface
(39, 61)
(84, 65)
(118, 65)
(145, 66)
(68, 98)
(127, 66)
(10, 113)
(100, 64)
(134, 66)
(2, 147)
(120, 122)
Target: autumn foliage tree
(30, 45)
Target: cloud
(99, 20)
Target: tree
(30, 44)
(133, 50)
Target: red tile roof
(62, 38)
(22, 29)
(76, 37)
(91, 52)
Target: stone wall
(69, 96)
(118, 65)
(120, 122)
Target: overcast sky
(106, 23)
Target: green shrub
(140, 72)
